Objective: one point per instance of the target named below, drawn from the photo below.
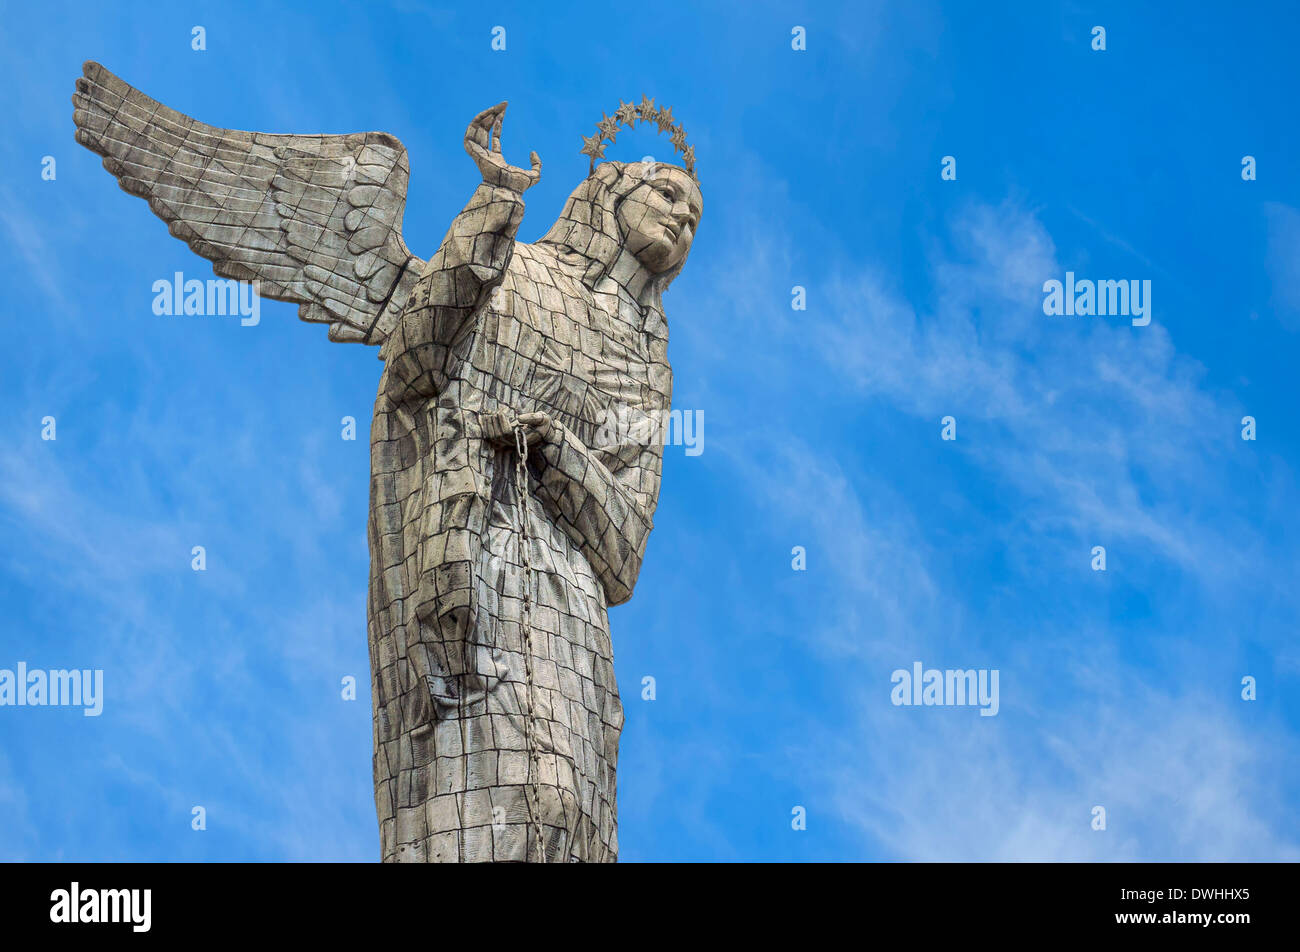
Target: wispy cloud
(1072, 425)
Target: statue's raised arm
(313, 219)
(471, 261)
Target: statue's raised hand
(483, 143)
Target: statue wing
(315, 220)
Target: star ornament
(608, 127)
(647, 112)
(626, 114)
(594, 147)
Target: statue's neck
(635, 279)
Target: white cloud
(1101, 431)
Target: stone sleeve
(608, 514)
(453, 288)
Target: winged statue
(507, 514)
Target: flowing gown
(449, 684)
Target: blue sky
(819, 168)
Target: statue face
(659, 217)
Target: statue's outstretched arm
(471, 261)
(478, 246)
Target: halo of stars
(629, 115)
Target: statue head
(658, 218)
(645, 210)
(632, 221)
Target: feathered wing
(316, 220)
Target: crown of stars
(629, 115)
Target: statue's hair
(587, 230)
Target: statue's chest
(546, 340)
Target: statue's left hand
(499, 428)
(483, 143)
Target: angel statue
(506, 515)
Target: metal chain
(526, 627)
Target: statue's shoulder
(543, 270)
(539, 255)
(531, 262)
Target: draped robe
(449, 687)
